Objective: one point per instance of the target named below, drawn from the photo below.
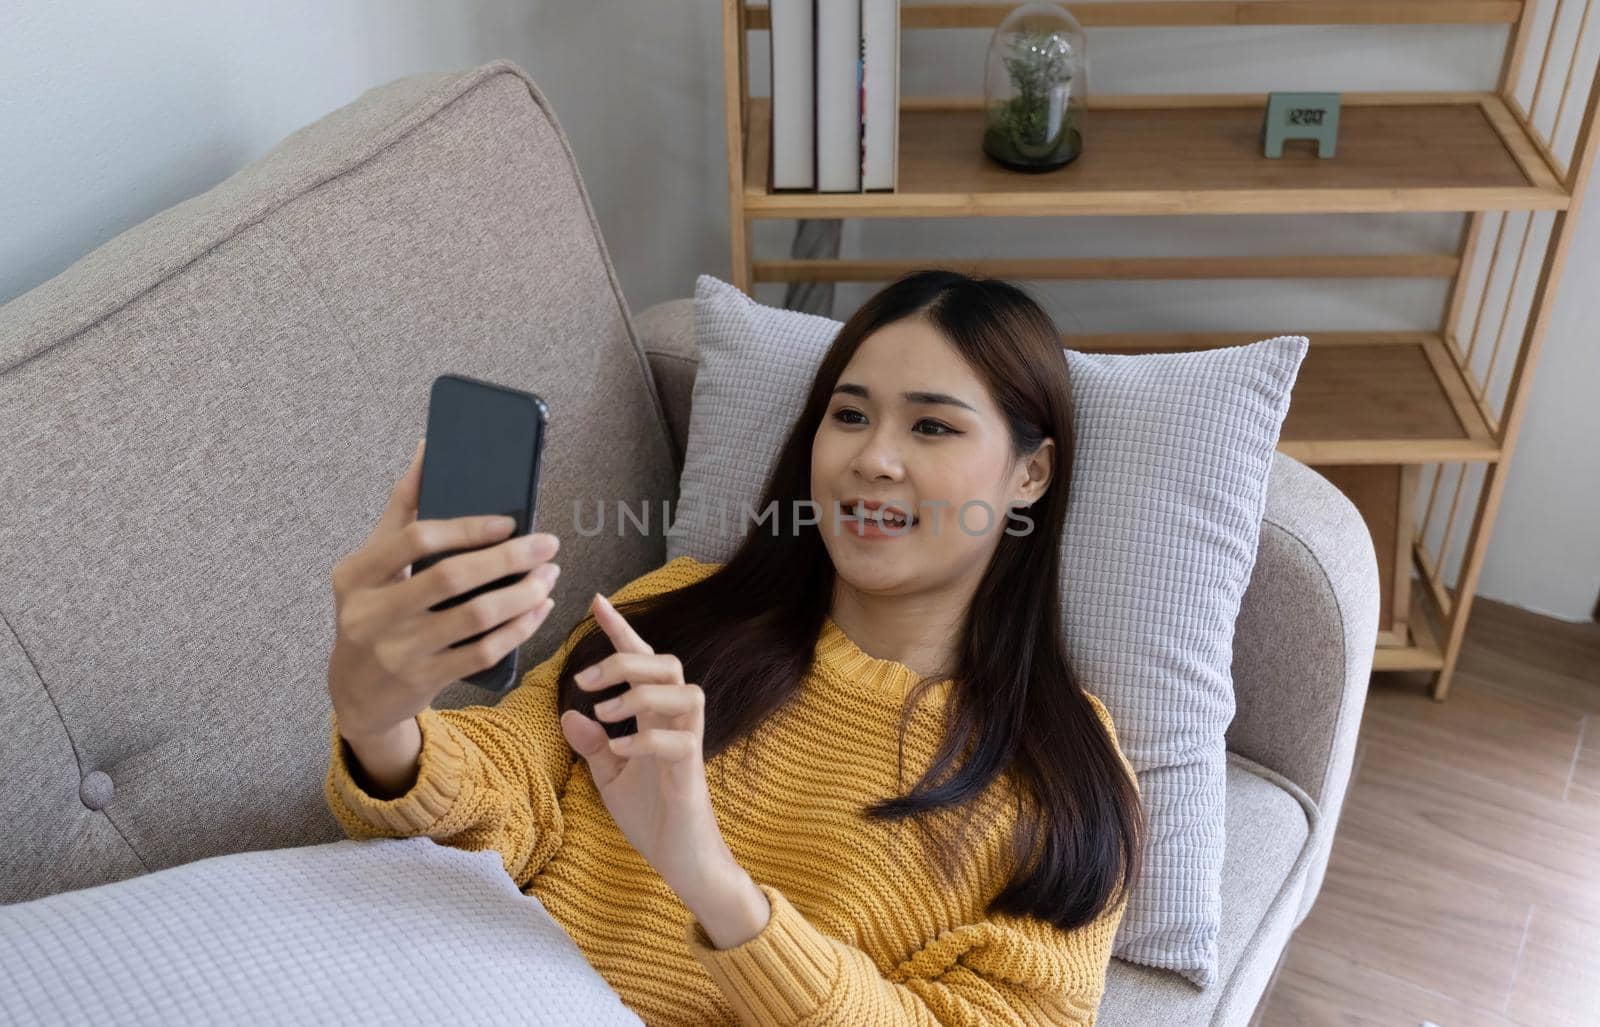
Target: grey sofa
(201, 416)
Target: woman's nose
(878, 457)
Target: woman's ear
(1037, 470)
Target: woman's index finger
(617, 628)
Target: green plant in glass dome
(1035, 128)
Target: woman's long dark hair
(747, 633)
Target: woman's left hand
(654, 781)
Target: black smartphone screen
(481, 456)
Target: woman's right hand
(391, 653)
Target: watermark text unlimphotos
(974, 517)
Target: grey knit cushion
(391, 931)
(1168, 487)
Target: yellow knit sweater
(863, 930)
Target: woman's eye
(943, 429)
(845, 415)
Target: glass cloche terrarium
(1035, 89)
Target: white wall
(111, 112)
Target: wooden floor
(1464, 885)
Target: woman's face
(910, 425)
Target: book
(838, 105)
(794, 121)
(880, 131)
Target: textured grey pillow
(1168, 488)
(382, 931)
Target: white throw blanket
(383, 931)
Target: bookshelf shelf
(1371, 410)
(1203, 13)
(1360, 398)
(1397, 152)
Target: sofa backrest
(204, 414)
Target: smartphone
(481, 455)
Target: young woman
(742, 857)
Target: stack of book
(835, 94)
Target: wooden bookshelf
(1374, 409)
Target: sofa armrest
(1303, 644)
(666, 331)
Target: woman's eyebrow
(937, 398)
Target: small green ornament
(1035, 124)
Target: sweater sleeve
(1003, 970)
(488, 777)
